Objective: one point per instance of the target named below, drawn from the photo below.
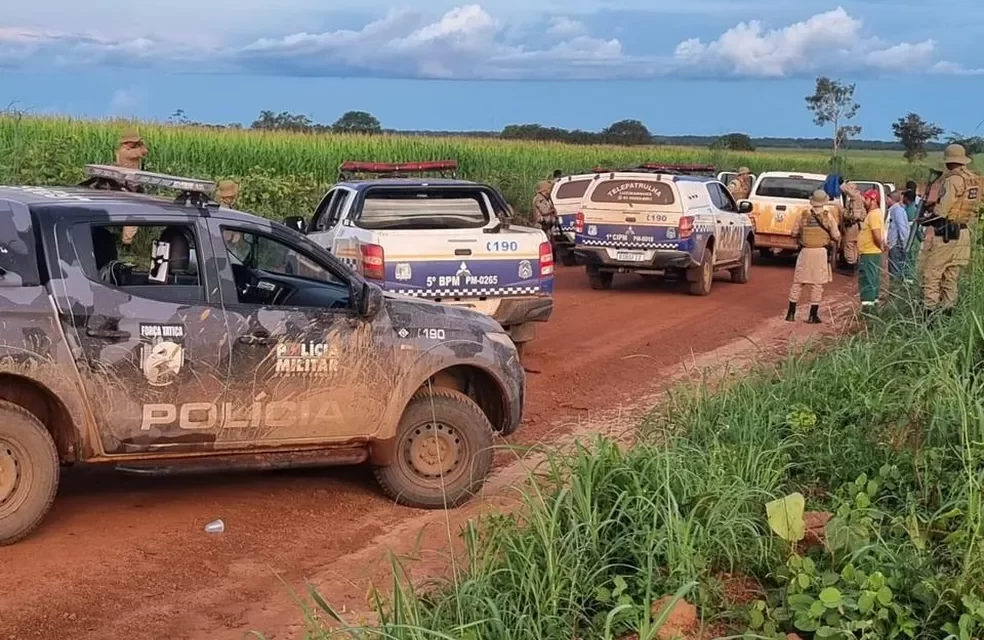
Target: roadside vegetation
(831, 494)
(284, 173)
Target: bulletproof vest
(743, 188)
(812, 235)
(855, 210)
(968, 198)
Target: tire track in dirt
(126, 557)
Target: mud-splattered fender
(495, 356)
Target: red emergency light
(398, 167)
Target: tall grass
(610, 531)
(287, 173)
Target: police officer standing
(817, 233)
(130, 155)
(854, 213)
(741, 186)
(947, 245)
(544, 213)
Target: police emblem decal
(525, 270)
(404, 271)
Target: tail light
(546, 260)
(685, 228)
(579, 222)
(373, 262)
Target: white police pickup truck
(653, 220)
(440, 239)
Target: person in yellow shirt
(871, 244)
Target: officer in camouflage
(817, 233)
(947, 246)
(854, 213)
(544, 213)
(129, 155)
(741, 186)
(226, 192)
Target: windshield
(792, 188)
(423, 208)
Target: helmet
(819, 198)
(955, 154)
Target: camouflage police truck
(213, 339)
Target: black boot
(814, 314)
(791, 313)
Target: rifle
(924, 208)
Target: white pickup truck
(440, 239)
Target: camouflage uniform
(959, 199)
(816, 230)
(854, 213)
(741, 186)
(544, 213)
(130, 154)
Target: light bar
(148, 178)
(653, 166)
(398, 167)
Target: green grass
(884, 428)
(287, 173)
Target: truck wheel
(743, 273)
(600, 279)
(443, 451)
(701, 277)
(28, 472)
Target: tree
(357, 122)
(627, 132)
(914, 132)
(832, 103)
(733, 142)
(283, 121)
(974, 145)
(845, 133)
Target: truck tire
(29, 472)
(443, 452)
(600, 279)
(701, 278)
(743, 273)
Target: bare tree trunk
(836, 135)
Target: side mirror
(371, 301)
(745, 206)
(298, 223)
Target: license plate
(630, 256)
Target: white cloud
(564, 27)
(833, 40)
(467, 42)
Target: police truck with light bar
(437, 238)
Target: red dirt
(126, 557)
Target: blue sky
(681, 66)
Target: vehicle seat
(179, 263)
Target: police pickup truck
(439, 239)
(655, 220)
(208, 339)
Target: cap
(227, 189)
(872, 194)
(544, 186)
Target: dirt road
(126, 557)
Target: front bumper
(606, 259)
